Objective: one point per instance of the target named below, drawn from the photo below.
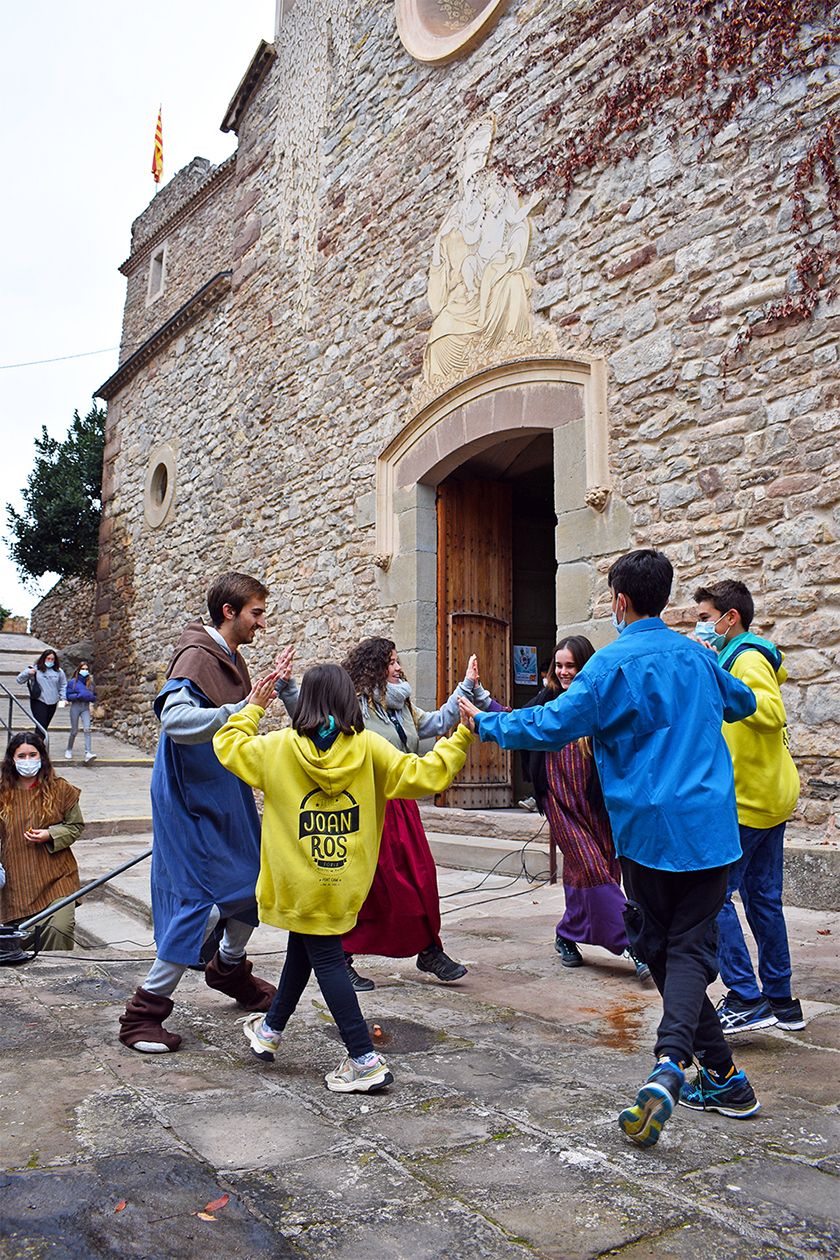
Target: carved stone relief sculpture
(479, 287)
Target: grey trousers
(164, 977)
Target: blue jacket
(653, 702)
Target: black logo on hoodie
(325, 824)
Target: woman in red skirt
(401, 916)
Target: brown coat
(38, 874)
(199, 658)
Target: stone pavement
(498, 1139)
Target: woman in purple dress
(568, 792)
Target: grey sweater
(53, 684)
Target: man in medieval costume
(206, 850)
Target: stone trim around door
(564, 396)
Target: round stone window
(160, 485)
(438, 30)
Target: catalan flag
(157, 156)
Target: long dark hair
(327, 691)
(10, 779)
(39, 664)
(581, 650)
(367, 664)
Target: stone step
(506, 856)
(105, 921)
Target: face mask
(705, 631)
(28, 767)
(83, 673)
(50, 664)
(618, 625)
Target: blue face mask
(84, 673)
(50, 664)
(618, 625)
(705, 631)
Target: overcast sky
(79, 92)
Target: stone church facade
(487, 294)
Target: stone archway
(563, 396)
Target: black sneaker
(733, 1096)
(737, 1016)
(570, 955)
(441, 965)
(362, 984)
(788, 1012)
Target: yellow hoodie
(766, 779)
(323, 813)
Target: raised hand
(283, 664)
(468, 711)
(262, 692)
(472, 669)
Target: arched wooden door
(475, 599)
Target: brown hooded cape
(199, 658)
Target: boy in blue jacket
(653, 703)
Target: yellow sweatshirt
(766, 779)
(323, 813)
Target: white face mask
(28, 767)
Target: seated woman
(401, 915)
(39, 820)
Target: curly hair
(47, 788)
(367, 664)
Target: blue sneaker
(738, 1016)
(655, 1101)
(733, 1096)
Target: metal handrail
(31, 723)
(12, 938)
(26, 924)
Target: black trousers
(671, 917)
(43, 713)
(325, 956)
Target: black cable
(522, 871)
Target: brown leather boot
(238, 982)
(142, 1024)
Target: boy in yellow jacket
(766, 792)
(325, 783)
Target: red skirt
(401, 915)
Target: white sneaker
(264, 1043)
(89, 756)
(68, 754)
(351, 1078)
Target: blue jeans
(325, 956)
(758, 878)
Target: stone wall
(192, 214)
(65, 614)
(656, 261)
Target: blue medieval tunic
(206, 849)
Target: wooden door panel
(474, 615)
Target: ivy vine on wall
(692, 67)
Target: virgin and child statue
(479, 287)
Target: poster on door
(524, 665)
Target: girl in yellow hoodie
(325, 783)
